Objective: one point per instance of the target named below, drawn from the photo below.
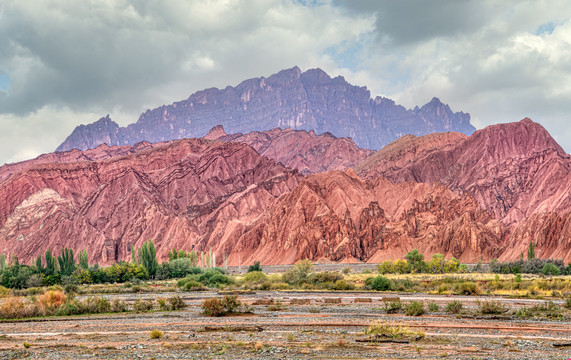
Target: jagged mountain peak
(309, 100)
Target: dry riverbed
(319, 330)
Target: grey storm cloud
(72, 62)
(406, 22)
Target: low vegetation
(227, 305)
(381, 330)
(57, 303)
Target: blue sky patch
(546, 28)
(5, 81)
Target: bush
(468, 288)
(392, 307)
(454, 307)
(343, 285)
(176, 302)
(255, 267)
(491, 307)
(118, 306)
(533, 266)
(219, 307)
(71, 288)
(17, 308)
(324, 277)
(255, 277)
(97, 305)
(380, 330)
(156, 334)
(567, 303)
(193, 285)
(142, 305)
(380, 283)
(547, 310)
(299, 273)
(51, 300)
(214, 277)
(213, 307)
(414, 308)
(433, 307)
(550, 269)
(163, 306)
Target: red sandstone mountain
(336, 216)
(474, 197)
(188, 193)
(514, 170)
(102, 152)
(299, 149)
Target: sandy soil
(314, 331)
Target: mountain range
(279, 195)
(309, 100)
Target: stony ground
(315, 331)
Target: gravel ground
(314, 331)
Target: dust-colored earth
(315, 331)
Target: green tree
(134, 259)
(83, 259)
(255, 267)
(2, 261)
(173, 255)
(39, 265)
(66, 262)
(415, 261)
(299, 273)
(148, 257)
(50, 263)
(193, 258)
(531, 251)
(437, 264)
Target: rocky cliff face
(183, 194)
(299, 149)
(102, 152)
(477, 197)
(514, 170)
(336, 216)
(289, 99)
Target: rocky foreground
(328, 326)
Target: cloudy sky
(65, 63)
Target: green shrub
(414, 308)
(491, 307)
(468, 288)
(567, 303)
(97, 305)
(343, 285)
(176, 302)
(550, 269)
(299, 273)
(433, 307)
(546, 310)
(380, 283)
(162, 302)
(118, 306)
(255, 267)
(254, 277)
(392, 307)
(219, 307)
(454, 307)
(140, 305)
